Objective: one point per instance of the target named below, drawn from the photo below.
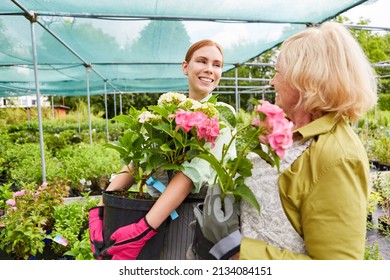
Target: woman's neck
(300, 118)
(197, 96)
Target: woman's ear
(184, 67)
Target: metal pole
(120, 103)
(38, 94)
(52, 107)
(78, 115)
(88, 68)
(105, 108)
(236, 88)
(114, 103)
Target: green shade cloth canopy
(137, 46)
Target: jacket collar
(318, 126)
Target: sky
(378, 11)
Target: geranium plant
(266, 132)
(161, 137)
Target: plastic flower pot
(121, 210)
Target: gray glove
(220, 223)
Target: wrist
(144, 223)
(227, 247)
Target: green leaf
(116, 147)
(245, 167)
(165, 148)
(227, 115)
(225, 180)
(160, 110)
(246, 194)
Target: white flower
(171, 98)
(146, 117)
(190, 103)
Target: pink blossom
(184, 120)
(187, 120)
(270, 110)
(280, 138)
(19, 193)
(278, 132)
(11, 202)
(208, 130)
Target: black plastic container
(121, 211)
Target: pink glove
(95, 230)
(129, 240)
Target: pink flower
(19, 193)
(208, 130)
(278, 132)
(11, 202)
(280, 138)
(184, 120)
(270, 110)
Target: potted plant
(70, 234)
(383, 187)
(374, 199)
(158, 140)
(28, 219)
(266, 132)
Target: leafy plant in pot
(157, 141)
(28, 219)
(266, 132)
(382, 185)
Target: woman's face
(204, 71)
(286, 97)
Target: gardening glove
(219, 223)
(95, 225)
(129, 240)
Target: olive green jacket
(324, 194)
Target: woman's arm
(122, 181)
(175, 193)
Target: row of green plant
(73, 165)
(36, 223)
(81, 164)
(380, 198)
(374, 132)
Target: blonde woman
(316, 207)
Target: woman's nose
(209, 68)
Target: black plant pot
(4, 255)
(120, 210)
(384, 167)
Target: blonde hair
(329, 69)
